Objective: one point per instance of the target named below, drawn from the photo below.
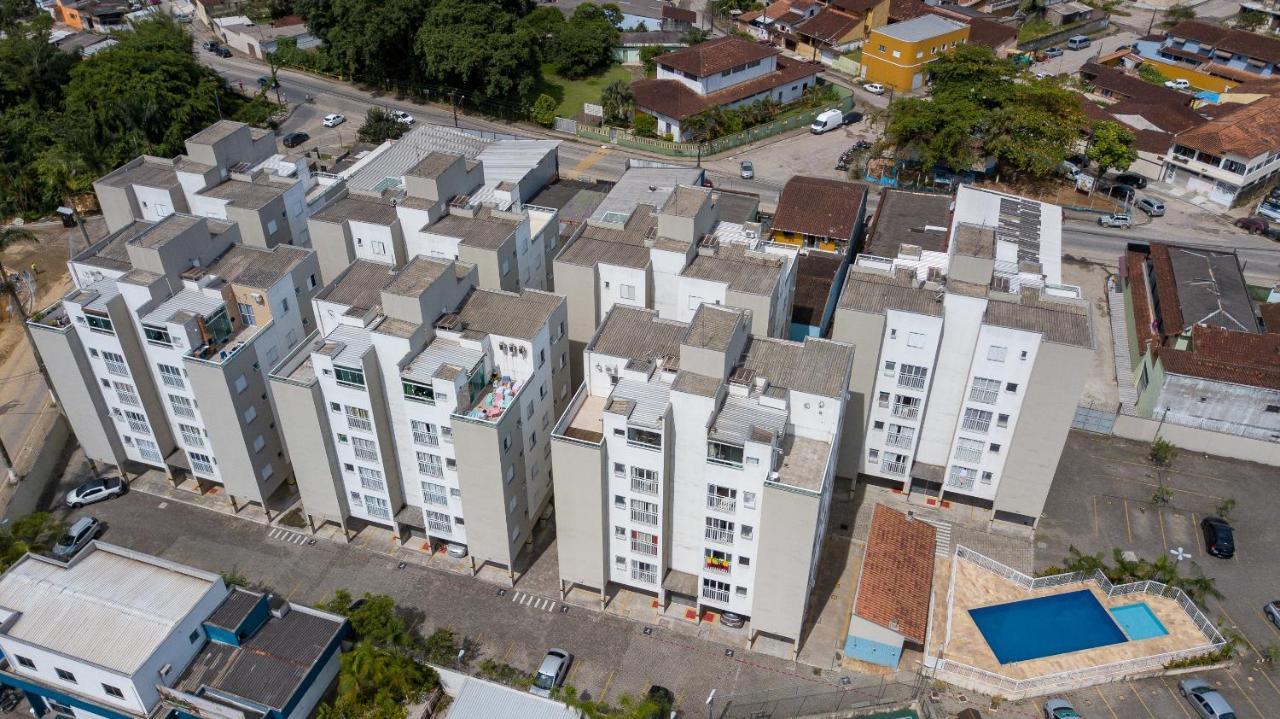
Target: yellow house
(897, 55)
(874, 13)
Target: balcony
(200, 467)
(985, 396)
(425, 439)
(120, 370)
(719, 536)
(906, 411)
(976, 425)
(129, 399)
(154, 456)
(644, 577)
(139, 427)
(910, 381)
(960, 482)
(359, 423)
(893, 467)
(192, 440)
(899, 440)
(728, 505)
(439, 500)
(640, 547)
(169, 380)
(716, 595)
(968, 454)
(650, 518)
(430, 470)
(644, 486)
(376, 511)
(435, 525)
(719, 566)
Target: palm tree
(618, 102)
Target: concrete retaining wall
(1193, 439)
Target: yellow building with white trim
(897, 55)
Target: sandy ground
(1100, 387)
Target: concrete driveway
(1070, 62)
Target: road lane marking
(1236, 624)
(1095, 515)
(604, 693)
(1163, 538)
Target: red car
(1252, 225)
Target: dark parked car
(1219, 538)
(1132, 179)
(222, 52)
(211, 45)
(851, 118)
(265, 81)
(1121, 192)
(1252, 225)
(294, 139)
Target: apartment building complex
(971, 355)
(160, 353)
(425, 404)
(439, 192)
(116, 634)
(658, 241)
(230, 172)
(696, 463)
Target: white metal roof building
(480, 699)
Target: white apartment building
(230, 172)
(696, 463)
(973, 364)
(658, 241)
(116, 634)
(425, 405)
(160, 353)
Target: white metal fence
(950, 670)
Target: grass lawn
(571, 94)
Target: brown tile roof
(815, 277)
(900, 10)
(819, 207)
(674, 99)
(712, 56)
(1236, 41)
(1119, 83)
(1253, 374)
(1166, 290)
(679, 14)
(856, 7)
(897, 573)
(829, 26)
(1270, 317)
(991, 34)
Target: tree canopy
(982, 106)
(1111, 147)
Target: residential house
(678, 19)
(822, 220)
(99, 16)
(1197, 356)
(777, 19)
(257, 41)
(895, 589)
(696, 465)
(1226, 159)
(659, 241)
(423, 404)
(1066, 12)
(898, 55)
(828, 35)
(118, 634)
(630, 44)
(985, 29)
(724, 72)
(84, 44)
(1211, 56)
(160, 352)
(971, 354)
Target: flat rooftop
(484, 230)
(920, 28)
(359, 286)
(922, 219)
(637, 334)
(643, 186)
(150, 172)
(252, 195)
(1025, 230)
(255, 267)
(109, 606)
(509, 314)
(804, 463)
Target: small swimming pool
(1138, 621)
(1046, 626)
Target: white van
(827, 120)
(1079, 42)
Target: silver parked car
(1117, 220)
(1206, 700)
(79, 535)
(1272, 610)
(95, 490)
(1151, 206)
(552, 672)
(1060, 709)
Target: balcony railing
(893, 467)
(130, 399)
(169, 380)
(154, 456)
(906, 411)
(898, 440)
(436, 525)
(436, 499)
(431, 470)
(716, 595)
(183, 411)
(644, 486)
(644, 577)
(986, 396)
(118, 369)
(714, 565)
(976, 425)
(359, 423)
(911, 381)
(139, 427)
(201, 467)
(379, 512)
(720, 536)
(957, 482)
(644, 445)
(722, 504)
(966, 454)
(367, 455)
(643, 517)
(426, 439)
(640, 547)
(193, 440)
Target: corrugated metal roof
(413, 148)
(508, 314)
(485, 700)
(511, 160)
(645, 186)
(196, 303)
(650, 400)
(354, 343)
(438, 354)
(110, 606)
(739, 415)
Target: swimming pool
(1138, 621)
(1046, 626)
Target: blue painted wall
(37, 693)
(866, 650)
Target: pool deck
(977, 587)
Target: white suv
(402, 117)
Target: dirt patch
(1100, 389)
(46, 263)
(1057, 193)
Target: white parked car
(1178, 84)
(874, 88)
(334, 119)
(402, 117)
(95, 490)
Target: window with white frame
(149, 450)
(644, 543)
(976, 420)
(191, 436)
(116, 365)
(377, 507)
(430, 464)
(984, 390)
(358, 418)
(170, 375)
(246, 314)
(644, 512)
(439, 521)
(201, 463)
(424, 433)
(996, 353)
(627, 292)
(371, 479)
(250, 414)
(969, 450)
(138, 422)
(433, 493)
(365, 449)
(644, 572)
(126, 393)
(644, 481)
(719, 530)
(182, 406)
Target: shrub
(544, 110)
(646, 125)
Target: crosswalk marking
(284, 535)
(533, 602)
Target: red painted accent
(690, 614)
(931, 502)
(653, 604)
(946, 504)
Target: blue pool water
(1043, 627)
(1138, 621)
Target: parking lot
(1070, 61)
(1102, 499)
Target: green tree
(645, 125)
(379, 127)
(34, 532)
(1151, 74)
(935, 134)
(648, 56)
(32, 69)
(618, 103)
(1162, 452)
(367, 39)
(544, 22)
(1251, 20)
(472, 47)
(696, 36)
(1175, 14)
(544, 110)
(584, 45)
(1111, 147)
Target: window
(365, 449)
(644, 512)
(259, 443)
(201, 463)
(358, 418)
(619, 501)
(893, 334)
(241, 384)
(882, 48)
(915, 339)
(643, 438)
(748, 532)
(272, 226)
(969, 450)
(149, 450)
(377, 507)
(912, 376)
(976, 420)
(627, 292)
(878, 424)
(311, 282)
(984, 390)
(716, 560)
(439, 521)
(889, 367)
(65, 675)
(250, 414)
(883, 399)
(1010, 386)
(741, 591)
(430, 465)
(1002, 420)
(719, 530)
(127, 394)
(419, 392)
(873, 454)
(424, 433)
(619, 532)
(435, 494)
(715, 590)
(182, 406)
(191, 435)
(24, 662)
(996, 353)
(987, 477)
(99, 323)
(349, 377)
(722, 499)
(643, 542)
(1023, 354)
(137, 422)
(335, 407)
(644, 572)
(961, 477)
(171, 376)
(157, 335)
(729, 455)
(896, 54)
(619, 469)
(749, 500)
(900, 436)
(116, 366)
(246, 314)
(644, 481)
(379, 247)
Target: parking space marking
(1095, 515)
(1246, 694)
(1236, 624)
(1142, 701)
(1164, 538)
(1180, 701)
(1127, 529)
(534, 602)
(1199, 539)
(604, 691)
(285, 535)
(1106, 703)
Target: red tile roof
(1236, 41)
(679, 14)
(897, 573)
(1249, 131)
(675, 100)
(713, 56)
(819, 207)
(900, 10)
(855, 7)
(829, 26)
(991, 34)
(1270, 317)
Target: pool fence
(987, 682)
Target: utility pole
(8, 463)
(454, 97)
